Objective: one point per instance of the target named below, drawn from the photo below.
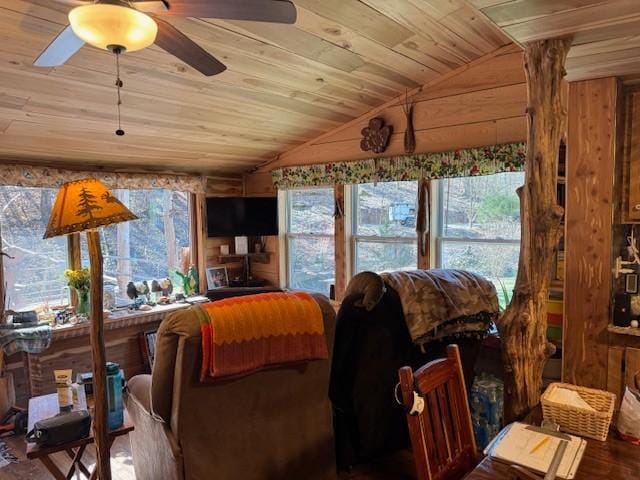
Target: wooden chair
(444, 447)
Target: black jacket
(370, 347)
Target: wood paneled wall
(482, 103)
(220, 187)
(588, 236)
(256, 185)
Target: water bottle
(114, 396)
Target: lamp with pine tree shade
(85, 206)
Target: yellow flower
(78, 279)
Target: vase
(83, 306)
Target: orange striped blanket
(241, 335)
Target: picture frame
(631, 283)
(217, 277)
(148, 348)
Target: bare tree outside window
(479, 227)
(384, 226)
(33, 269)
(147, 248)
(310, 239)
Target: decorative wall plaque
(376, 136)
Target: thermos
(114, 396)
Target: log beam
(100, 427)
(523, 325)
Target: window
(310, 239)
(147, 248)
(478, 227)
(34, 274)
(384, 226)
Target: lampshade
(84, 205)
(107, 26)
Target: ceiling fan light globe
(104, 25)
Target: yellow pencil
(539, 445)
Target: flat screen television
(242, 216)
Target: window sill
(118, 320)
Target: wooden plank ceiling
(606, 33)
(284, 84)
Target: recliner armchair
(269, 425)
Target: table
(612, 459)
(46, 406)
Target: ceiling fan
(129, 25)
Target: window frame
(287, 236)
(73, 242)
(68, 257)
(355, 238)
(437, 239)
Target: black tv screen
(242, 216)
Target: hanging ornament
(409, 133)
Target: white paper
(570, 398)
(518, 442)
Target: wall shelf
(262, 257)
(634, 332)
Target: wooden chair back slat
(429, 446)
(431, 410)
(453, 445)
(442, 434)
(457, 421)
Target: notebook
(517, 444)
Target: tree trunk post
(100, 427)
(523, 325)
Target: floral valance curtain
(45, 177)
(459, 163)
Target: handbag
(628, 424)
(61, 429)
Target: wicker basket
(580, 421)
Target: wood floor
(398, 467)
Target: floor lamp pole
(100, 428)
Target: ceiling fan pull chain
(119, 84)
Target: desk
(612, 459)
(46, 406)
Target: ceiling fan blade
(278, 11)
(176, 43)
(61, 49)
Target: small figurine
(131, 291)
(166, 286)
(155, 286)
(137, 289)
